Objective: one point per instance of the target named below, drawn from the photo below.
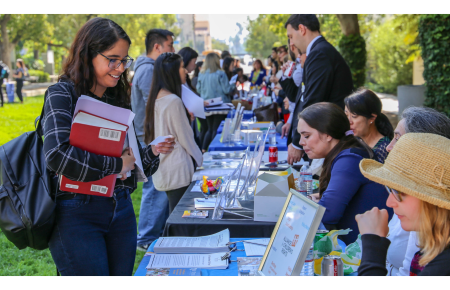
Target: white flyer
(256, 250)
(202, 261)
(192, 102)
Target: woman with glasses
(167, 115)
(344, 192)
(420, 198)
(94, 235)
(363, 109)
(403, 243)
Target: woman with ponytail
(363, 110)
(344, 191)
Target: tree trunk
(349, 23)
(5, 41)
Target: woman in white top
(404, 244)
(167, 115)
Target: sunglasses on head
(394, 192)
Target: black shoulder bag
(27, 211)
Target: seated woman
(258, 73)
(420, 198)
(403, 243)
(363, 109)
(167, 115)
(344, 192)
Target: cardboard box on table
(270, 195)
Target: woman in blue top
(344, 191)
(363, 109)
(213, 83)
(258, 73)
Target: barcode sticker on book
(109, 134)
(72, 186)
(98, 188)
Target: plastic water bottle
(308, 266)
(272, 134)
(306, 187)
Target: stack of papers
(256, 250)
(225, 106)
(215, 243)
(210, 203)
(202, 261)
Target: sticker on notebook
(72, 186)
(99, 188)
(109, 134)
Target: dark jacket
(73, 162)
(373, 260)
(327, 78)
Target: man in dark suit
(326, 75)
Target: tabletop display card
(292, 237)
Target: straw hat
(419, 165)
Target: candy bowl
(210, 188)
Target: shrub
(434, 34)
(43, 76)
(386, 58)
(353, 50)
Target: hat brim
(379, 173)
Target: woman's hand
(315, 197)
(128, 162)
(205, 103)
(374, 221)
(164, 147)
(286, 103)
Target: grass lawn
(16, 119)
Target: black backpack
(27, 211)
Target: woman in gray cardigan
(167, 115)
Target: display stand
(227, 198)
(292, 237)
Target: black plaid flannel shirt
(75, 163)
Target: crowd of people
(390, 186)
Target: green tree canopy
(219, 44)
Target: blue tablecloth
(217, 146)
(232, 268)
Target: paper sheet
(160, 139)
(210, 203)
(216, 240)
(256, 250)
(203, 261)
(192, 102)
(196, 188)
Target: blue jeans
(153, 213)
(95, 235)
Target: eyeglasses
(394, 192)
(115, 63)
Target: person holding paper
(94, 235)
(213, 83)
(154, 204)
(167, 115)
(344, 191)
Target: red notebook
(99, 136)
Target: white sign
(292, 237)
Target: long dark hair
(198, 66)
(261, 67)
(166, 75)
(96, 35)
(226, 66)
(364, 103)
(188, 54)
(330, 119)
